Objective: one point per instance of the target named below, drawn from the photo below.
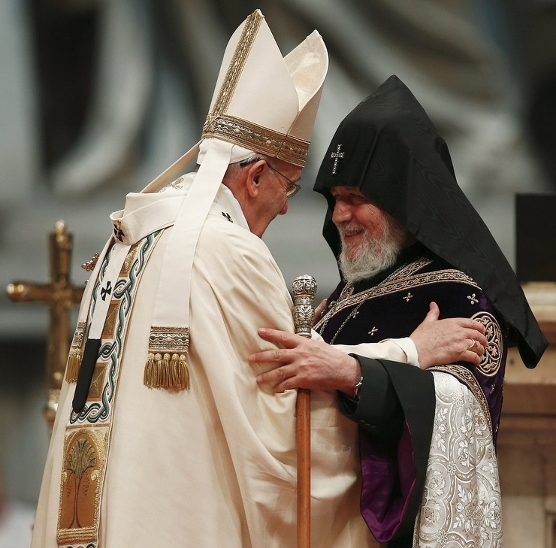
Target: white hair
(373, 254)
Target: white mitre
(263, 103)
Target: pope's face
(356, 218)
(275, 182)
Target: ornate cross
(60, 295)
(337, 156)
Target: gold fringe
(76, 352)
(74, 362)
(166, 370)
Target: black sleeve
(378, 410)
(392, 394)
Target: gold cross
(60, 295)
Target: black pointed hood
(388, 148)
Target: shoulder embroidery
(403, 279)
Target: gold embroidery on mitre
(76, 352)
(83, 466)
(229, 83)
(242, 132)
(260, 139)
(166, 365)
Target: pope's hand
(305, 363)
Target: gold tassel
(74, 361)
(149, 371)
(76, 352)
(180, 372)
(166, 370)
(166, 366)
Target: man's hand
(316, 365)
(305, 363)
(450, 340)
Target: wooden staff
(304, 290)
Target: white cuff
(398, 350)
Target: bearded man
(405, 235)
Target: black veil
(389, 148)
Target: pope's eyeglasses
(293, 188)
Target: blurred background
(97, 97)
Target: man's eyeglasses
(293, 188)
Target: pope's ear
(253, 175)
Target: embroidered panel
(467, 378)
(461, 504)
(119, 311)
(86, 441)
(84, 459)
(169, 339)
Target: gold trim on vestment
(400, 280)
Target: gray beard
(373, 255)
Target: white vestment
(461, 501)
(213, 465)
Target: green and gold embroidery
(86, 441)
(83, 466)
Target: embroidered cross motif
(227, 216)
(337, 156)
(408, 297)
(372, 331)
(118, 232)
(473, 299)
(106, 290)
